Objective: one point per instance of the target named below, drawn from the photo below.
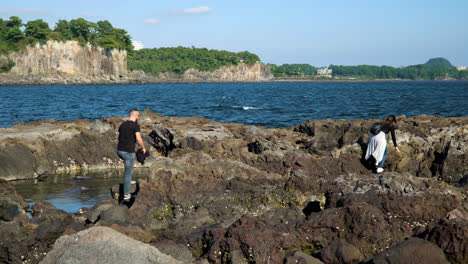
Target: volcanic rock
(104, 245)
(413, 250)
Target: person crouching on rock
(377, 147)
(129, 134)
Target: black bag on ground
(376, 128)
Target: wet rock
(104, 245)
(411, 251)
(162, 140)
(340, 252)
(41, 207)
(300, 257)
(7, 190)
(256, 147)
(9, 210)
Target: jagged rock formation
(232, 193)
(65, 62)
(235, 73)
(69, 57)
(71, 63)
(431, 146)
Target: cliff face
(69, 57)
(65, 62)
(236, 73)
(71, 63)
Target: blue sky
(342, 32)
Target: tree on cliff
(81, 30)
(180, 59)
(62, 28)
(292, 70)
(11, 34)
(14, 22)
(37, 30)
(102, 33)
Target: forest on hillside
(15, 35)
(180, 59)
(436, 68)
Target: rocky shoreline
(233, 193)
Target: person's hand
(397, 149)
(144, 150)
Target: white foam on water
(247, 107)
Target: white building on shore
(461, 68)
(137, 45)
(325, 72)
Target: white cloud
(151, 21)
(22, 11)
(192, 11)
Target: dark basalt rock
(162, 140)
(299, 257)
(451, 234)
(41, 207)
(299, 189)
(9, 210)
(178, 251)
(413, 250)
(340, 252)
(7, 190)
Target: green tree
(14, 22)
(63, 28)
(37, 29)
(15, 35)
(80, 29)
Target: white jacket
(376, 147)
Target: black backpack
(376, 128)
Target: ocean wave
(247, 107)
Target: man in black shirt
(129, 134)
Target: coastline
(207, 177)
(106, 80)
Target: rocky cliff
(71, 63)
(235, 73)
(54, 61)
(233, 193)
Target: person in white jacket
(377, 146)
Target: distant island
(117, 61)
(433, 69)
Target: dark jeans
(381, 163)
(129, 160)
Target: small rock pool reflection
(73, 192)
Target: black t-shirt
(127, 138)
(390, 129)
